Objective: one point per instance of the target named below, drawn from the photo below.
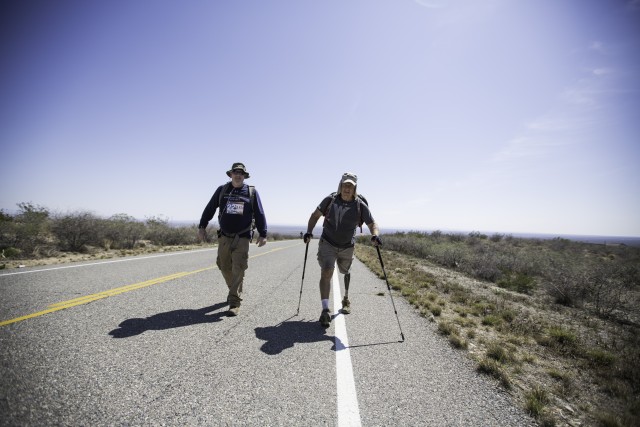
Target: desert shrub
(11, 252)
(560, 244)
(608, 419)
(157, 230)
(74, 231)
(629, 363)
(607, 288)
(123, 231)
(7, 231)
(518, 282)
(484, 266)
(27, 231)
(496, 237)
(565, 283)
(455, 237)
(475, 238)
(450, 256)
(187, 235)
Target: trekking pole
(304, 266)
(389, 288)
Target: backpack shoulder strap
(225, 189)
(252, 198)
(360, 199)
(333, 199)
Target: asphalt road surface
(147, 341)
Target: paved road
(146, 341)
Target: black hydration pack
(359, 199)
(221, 209)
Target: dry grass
(562, 364)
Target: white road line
(107, 262)
(348, 411)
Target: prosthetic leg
(346, 304)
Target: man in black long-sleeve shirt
(239, 206)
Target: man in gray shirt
(344, 211)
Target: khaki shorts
(328, 255)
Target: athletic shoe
(233, 311)
(325, 318)
(346, 305)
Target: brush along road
(147, 341)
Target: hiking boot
(325, 318)
(346, 305)
(233, 310)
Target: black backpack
(252, 196)
(359, 198)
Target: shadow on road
(285, 334)
(169, 320)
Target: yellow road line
(116, 291)
(94, 297)
(273, 250)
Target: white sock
(325, 304)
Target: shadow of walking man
(168, 320)
(286, 334)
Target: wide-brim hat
(240, 166)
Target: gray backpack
(359, 198)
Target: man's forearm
(313, 220)
(373, 228)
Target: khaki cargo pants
(232, 263)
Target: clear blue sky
(497, 115)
